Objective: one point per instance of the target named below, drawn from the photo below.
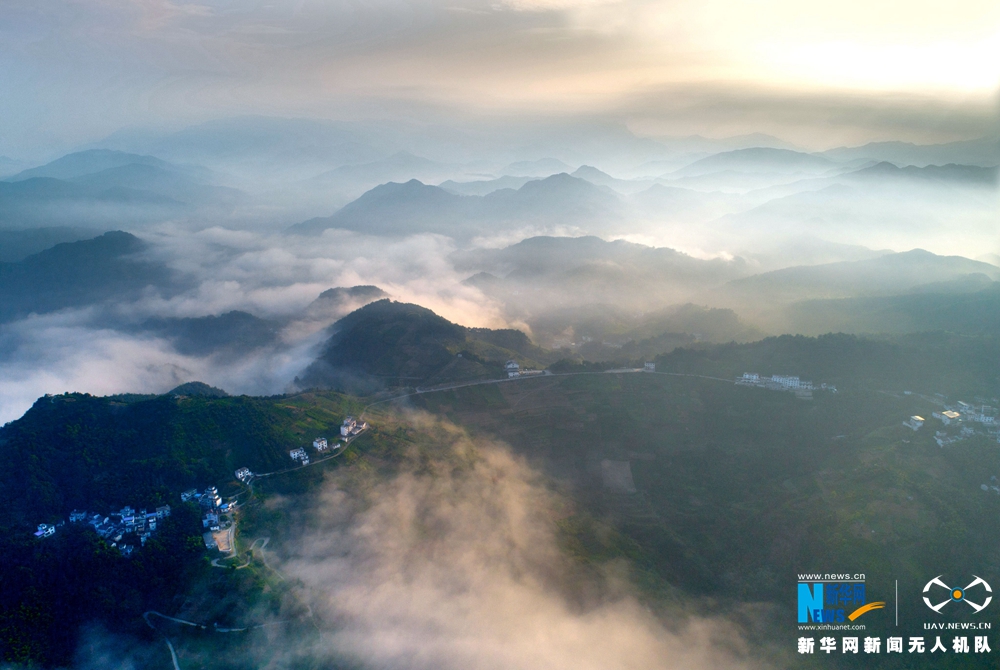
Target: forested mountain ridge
(389, 343)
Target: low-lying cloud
(96, 349)
(455, 563)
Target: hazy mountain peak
(198, 389)
(537, 168)
(111, 244)
(87, 162)
(355, 292)
(591, 174)
(758, 159)
(335, 302)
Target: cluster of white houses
(115, 527)
(782, 383)
(963, 412)
(351, 428)
(211, 503)
(960, 421)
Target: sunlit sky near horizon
(815, 73)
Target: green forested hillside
(933, 362)
(970, 312)
(81, 451)
(386, 344)
(77, 451)
(730, 491)
(736, 490)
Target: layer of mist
(234, 229)
(455, 562)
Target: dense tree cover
(973, 312)
(49, 588)
(935, 362)
(738, 489)
(387, 344)
(78, 451)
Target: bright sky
(72, 70)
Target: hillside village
(128, 527)
(121, 528)
(958, 421)
(349, 430)
(801, 388)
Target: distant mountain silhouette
(235, 333)
(336, 302)
(102, 188)
(599, 178)
(89, 162)
(414, 207)
(983, 152)
(16, 245)
(962, 174)
(397, 209)
(75, 274)
(885, 275)
(542, 167)
(400, 166)
(484, 186)
(257, 143)
(756, 159)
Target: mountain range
(414, 207)
(102, 188)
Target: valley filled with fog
(154, 258)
